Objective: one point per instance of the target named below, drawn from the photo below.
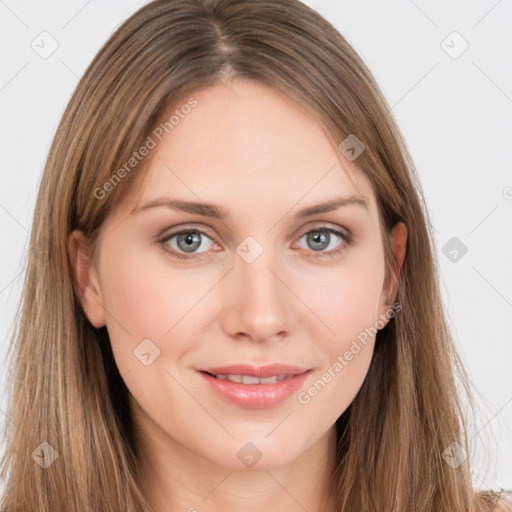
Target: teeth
(246, 379)
(268, 380)
(249, 379)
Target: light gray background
(455, 113)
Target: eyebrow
(217, 212)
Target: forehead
(250, 145)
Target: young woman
(235, 303)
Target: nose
(259, 304)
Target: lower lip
(256, 396)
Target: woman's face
(270, 283)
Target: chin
(257, 453)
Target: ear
(398, 242)
(86, 281)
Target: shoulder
(503, 502)
(493, 501)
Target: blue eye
(319, 239)
(188, 241)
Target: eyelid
(328, 226)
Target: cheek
(142, 301)
(347, 304)
(346, 300)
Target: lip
(256, 396)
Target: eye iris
(319, 237)
(192, 241)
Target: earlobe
(85, 278)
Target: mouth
(255, 387)
(250, 379)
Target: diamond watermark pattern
(454, 249)
(249, 249)
(351, 147)
(454, 455)
(249, 454)
(146, 352)
(454, 45)
(45, 45)
(45, 455)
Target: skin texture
(252, 151)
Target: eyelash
(346, 237)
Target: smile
(255, 388)
(250, 379)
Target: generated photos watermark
(305, 397)
(150, 143)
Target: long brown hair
(66, 389)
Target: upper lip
(256, 371)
